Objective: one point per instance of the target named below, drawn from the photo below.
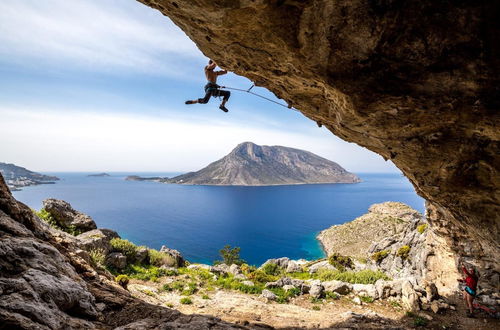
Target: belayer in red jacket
(469, 293)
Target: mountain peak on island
(249, 164)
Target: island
(17, 177)
(250, 164)
(99, 175)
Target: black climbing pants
(213, 90)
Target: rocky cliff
(46, 282)
(17, 176)
(414, 81)
(249, 165)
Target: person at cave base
(211, 88)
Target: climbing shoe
(223, 108)
(190, 102)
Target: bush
(143, 272)
(300, 275)
(316, 308)
(186, 301)
(340, 262)
(261, 277)
(122, 280)
(366, 276)
(191, 289)
(231, 283)
(124, 246)
(205, 296)
(422, 228)
(97, 257)
(404, 252)
(231, 255)
(157, 258)
(380, 255)
(332, 295)
(271, 269)
(166, 288)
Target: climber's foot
(223, 108)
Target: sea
(265, 221)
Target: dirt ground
(300, 312)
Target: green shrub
(404, 252)
(366, 276)
(97, 257)
(316, 308)
(231, 255)
(191, 289)
(124, 246)
(178, 285)
(315, 300)
(300, 275)
(170, 305)
(395, 304)
(186, 301)
(205, 296)
(363, 260)
(166, 288)
(419, 321)
(422, 228)
(261, 277)
(122, 280)
(366, 299)
(271, 269)
(148, 292)
(380, 255)
(142, 272)
(157, 258)
(231, 283)
(340, 262)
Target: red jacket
(471, 279)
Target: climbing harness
(249, 91)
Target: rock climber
(469, 293)
(211, 88)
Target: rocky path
(238, 308)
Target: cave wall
(415, 81)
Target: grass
(149, 293)
(141, 272)
(396, 304)
(366, 299)
(271, 269)
(421, 228)
(170, 305)
(316, 308)
(366, 276)
(186, 301)
(332, 295)
(97, 257)
(380, 255)
(404, 252)
(157, 258)
(205, 296)
(419, 321)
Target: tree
(231, 255)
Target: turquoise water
(266, 222)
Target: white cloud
(95, 35)
(73, 140)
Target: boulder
(288, 287)
(275, 284)
(409, 296)
(235, 269)
(240, 277)
(67, 217)
(116, 260)
(248, 283)
(179, 260)
(281, 262)
(316, 290)
(357, 301)
(339, 287)
(293, 267)
(141, 255)
(268, 295)
(97, 239)
(321, 265)
(220, 269)
(431, 292)
(365, 290)
(387, 289)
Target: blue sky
(100, 85)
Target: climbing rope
(258, 95)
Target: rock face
(250, 164)
(46, 284)
(67, 217)
(414, 81)
(355, 237)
